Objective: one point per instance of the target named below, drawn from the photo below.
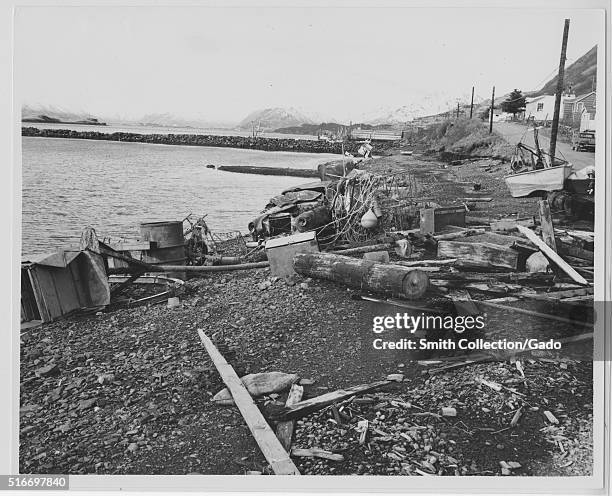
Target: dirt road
(513, 132)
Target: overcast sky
(222, 63)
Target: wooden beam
(459, 234)
(552, 255)
(284, 430)
(546, 223)
(575, 251)
(317, 453)
(479, 254)
(267, 441)
(508, 225)
(314, 404)
(539, 315)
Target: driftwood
(284, 430)
(306, 407)
(363, 274)
(552, 255)
(267, 441)
(479, 254)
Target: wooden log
(269, 171)
(306, 407)
(479, 254)
(267, 441)
(546, 223)
(553, 256)
(476, 199)
(364, 249)
(284, 430)
(391, 279)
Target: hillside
(274, 118)
(579, 75)
(50, 114)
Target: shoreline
(264, 144)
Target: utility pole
(491, 111)
(457, 110)
(555, 122)
(472, 104)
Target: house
(542, 108)
(575, 108)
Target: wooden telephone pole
(555, 123)
(472, 104)
(491, 111)
(457, 110)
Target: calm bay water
(114, 186)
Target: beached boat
(533, 171)
(547, 179)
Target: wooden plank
(553, 256)
(463, 302)
(546, 223)
(427, 263)
(479, 254)
(284, 430)
(459, 234)
(532, 313)
(427, 221)
(317, 453)
(314, 404)
(575, 251)
(267, 441)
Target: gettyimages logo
(413, 323)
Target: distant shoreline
(260, 143)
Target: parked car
(584, 141)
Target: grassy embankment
(462, 138)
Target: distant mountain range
(170, 120)
(50, 114)
(274, 118)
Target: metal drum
(170, 248)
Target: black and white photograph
(316, 239)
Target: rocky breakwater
(267, 144)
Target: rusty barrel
(170, 249)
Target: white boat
(523, 184)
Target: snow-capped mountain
(274, 118)
(429, 104)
